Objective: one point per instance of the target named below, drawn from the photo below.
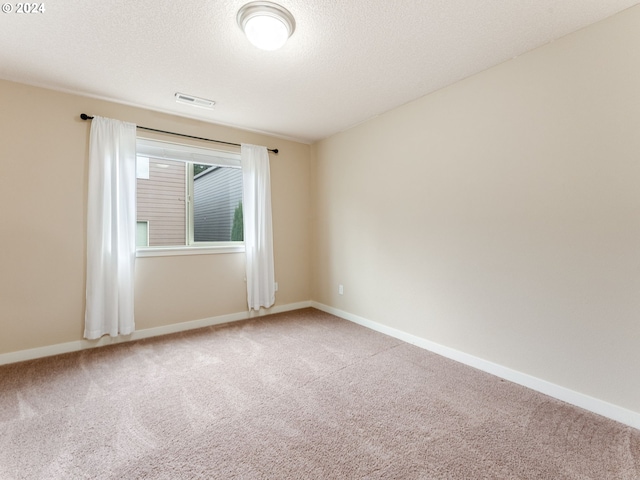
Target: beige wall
(43, 191)
(501, 216)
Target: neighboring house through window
(187, 197)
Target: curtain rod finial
(84, 116)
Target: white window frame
(189, 154)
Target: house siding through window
(161, 202)
(217, 193)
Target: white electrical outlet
(340, 290)
(276, 286)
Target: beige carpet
(297, 395)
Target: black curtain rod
(84, 116)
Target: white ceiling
(347, 61)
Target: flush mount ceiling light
(267, 25)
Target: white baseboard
(74, 346)
(600, 407)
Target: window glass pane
(162, 202)
(217, 204)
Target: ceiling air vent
(195, 101)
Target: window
(189, 199)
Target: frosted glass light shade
(266, 24)
(265, 32)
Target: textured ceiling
(347, 61)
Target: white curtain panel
(111, 228)
(258, 233)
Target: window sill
(191, 250)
